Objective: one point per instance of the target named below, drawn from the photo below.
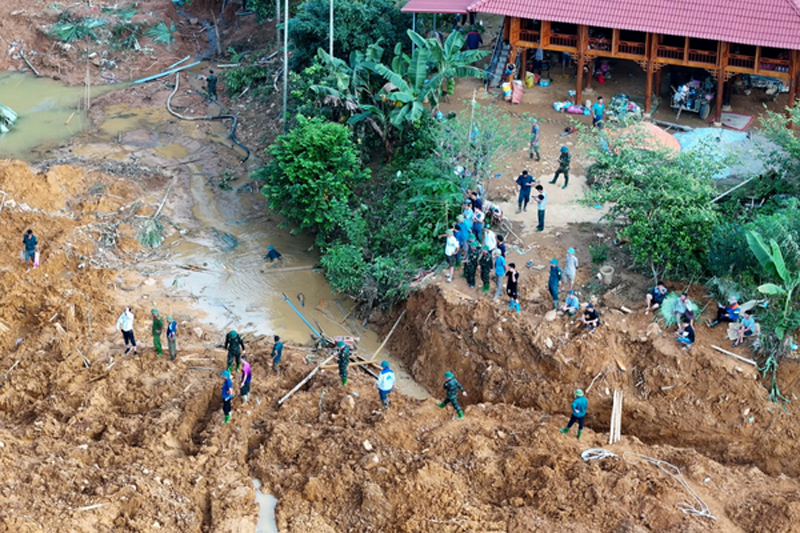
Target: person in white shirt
(571, 267)
(385, 383)
(451, 251)
(125, 324)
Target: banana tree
(449, 60)
(351, 88)
(771, 259)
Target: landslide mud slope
(93, 440)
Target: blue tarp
(749, 151)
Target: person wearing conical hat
(235, 346)
(227, 395)
(343, 359)
(579, 406)
(451, 387)
(156, 330)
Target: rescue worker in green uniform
(343, 360)
(563, 166)
(158, 327)
(487, 267)
(471, 266)
(235, 346)
(451, 387)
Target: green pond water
(44, 106)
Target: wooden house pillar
(648, 89)
(794, 76)
(579, 81)
(720, 96)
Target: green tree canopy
(313, 172)
(357, 24)
(662, 199)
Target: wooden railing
(669, 52)
(742, 61)
(560, 39)
(774, 65)
(702, 56)
(529, 36)
(600, 43)
(632, 48)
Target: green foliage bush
(313, 172)
(238, 79)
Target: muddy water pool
(44, 107)
(237, 289)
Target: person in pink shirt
(247, 375)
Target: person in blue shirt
(554, 281)
(385, 383)
(474, 40)
(227, 395)
(30, 244)
(499, 272)
(501, 245)
(277, 353)
(525, 182)
(534, 149)
(729, 313)
(597, 113)
(579, 407)
(272, 254)
(571, 304)
(463, 232)
(746, 328)
(172, 334)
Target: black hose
(233, 133)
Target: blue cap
(564, 149)
(571, 251)
(225, 373)
(384, 364)
(448, 375)
(554, 261)
(270, 247)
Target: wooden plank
(545, 34)
(305, 379)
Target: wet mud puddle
(48, 113)
(230, 281)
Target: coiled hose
(207, 117)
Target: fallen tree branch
(304, 380)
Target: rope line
(699, 509)
(595, 454)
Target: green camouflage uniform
(485, 261)
(452, 386)
(471, 266)
(158, 327)
(344, 362)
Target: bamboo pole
(305, 380)
(389, 335)
(357, 363)
(742, 359)
(618, 425)
(613, 419)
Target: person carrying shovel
(452, 386)
(235, 346)
(227, 395)
(156, 330)
(343, 358)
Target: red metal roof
(436, 6)
(774, 23)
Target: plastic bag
(22, 254)
(35, 259)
